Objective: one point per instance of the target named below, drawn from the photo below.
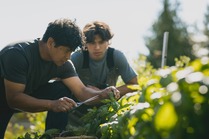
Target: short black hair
(97, 28)
(64, 32)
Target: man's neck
(43, 50)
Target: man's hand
(63, 104)
(111, 89)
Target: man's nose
(97, 46)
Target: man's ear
(50, 42)
(53, 44)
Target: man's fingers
(115, 92)
(65, 104)
(69, 100)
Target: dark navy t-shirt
(21, 63)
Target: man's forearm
(27, 103)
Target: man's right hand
(63, 104)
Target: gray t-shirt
(98, 71)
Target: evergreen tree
(206, 26)
(178, 42)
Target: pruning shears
(84, 102)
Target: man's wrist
(48, 105)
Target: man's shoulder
(77, 58)
(19, 45)
(118, 54)
(77, 55)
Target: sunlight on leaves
(131, 123)
(196, 65)
(166, 118)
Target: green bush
(171, 103)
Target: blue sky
(130, 20)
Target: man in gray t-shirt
(100, 65)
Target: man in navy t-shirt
(27, 67)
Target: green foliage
(35, 124)
(27, 135)
(49, 134)
(170, 103)
(183, 61)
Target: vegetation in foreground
(170, 103)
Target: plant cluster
(170, 103)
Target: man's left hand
(111, 89)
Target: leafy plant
(170, 103)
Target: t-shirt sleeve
(67, 70)
(14, 66)
(77, 59)
(125, 70)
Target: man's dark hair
(97, 28)
(64, 32)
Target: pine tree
(178, 42)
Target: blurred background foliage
(21, 123)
